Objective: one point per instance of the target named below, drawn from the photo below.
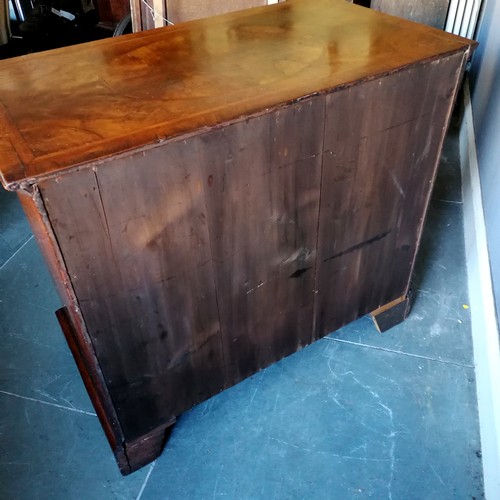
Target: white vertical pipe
(460, 17)
(452, 14)
(464, 27)
(474, 18)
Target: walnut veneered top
(80, 104)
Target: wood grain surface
(203, 260)
(382, 144)
(262, 190)
(141, 265)
(112, 96)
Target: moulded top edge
(82, 103)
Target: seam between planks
(315, 291)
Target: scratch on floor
(146, 479)
(329, 453)
(392, 436)
(256, 389)
(436, 298)
(208, 407)
(437, 475)
(38, 306)
(366, 387)
(44, 394)
(358, 448)
(70, 405)
(48, 403)
(217, 481)
(337, 402)
(403, 353)
(276, 402)
(16, 252)
(19, 336)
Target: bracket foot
(391, 314)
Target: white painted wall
(485, 83)
(481, 179)
(484, 324)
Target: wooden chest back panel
(263, 204)
(382, 142)
(149, 304)
(186, 258)
(203, 260)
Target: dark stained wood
(111, 12)
(141, 266)
(88, 370)
(111, 96)
(392, 314)
(213, 197)
(382, 143)
(143, 450)
(262, 179)
(430, 12)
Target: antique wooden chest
(213, 196)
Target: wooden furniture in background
(149, 14)
(181, 10)
(111, 12)
(213, 196)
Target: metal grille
(462, 17)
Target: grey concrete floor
(355, 415)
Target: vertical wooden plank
(382, 144)
(262, 180)
(157, 218)
(136, 244)
(431, 12)
(136, 15)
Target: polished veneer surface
(213, 196)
